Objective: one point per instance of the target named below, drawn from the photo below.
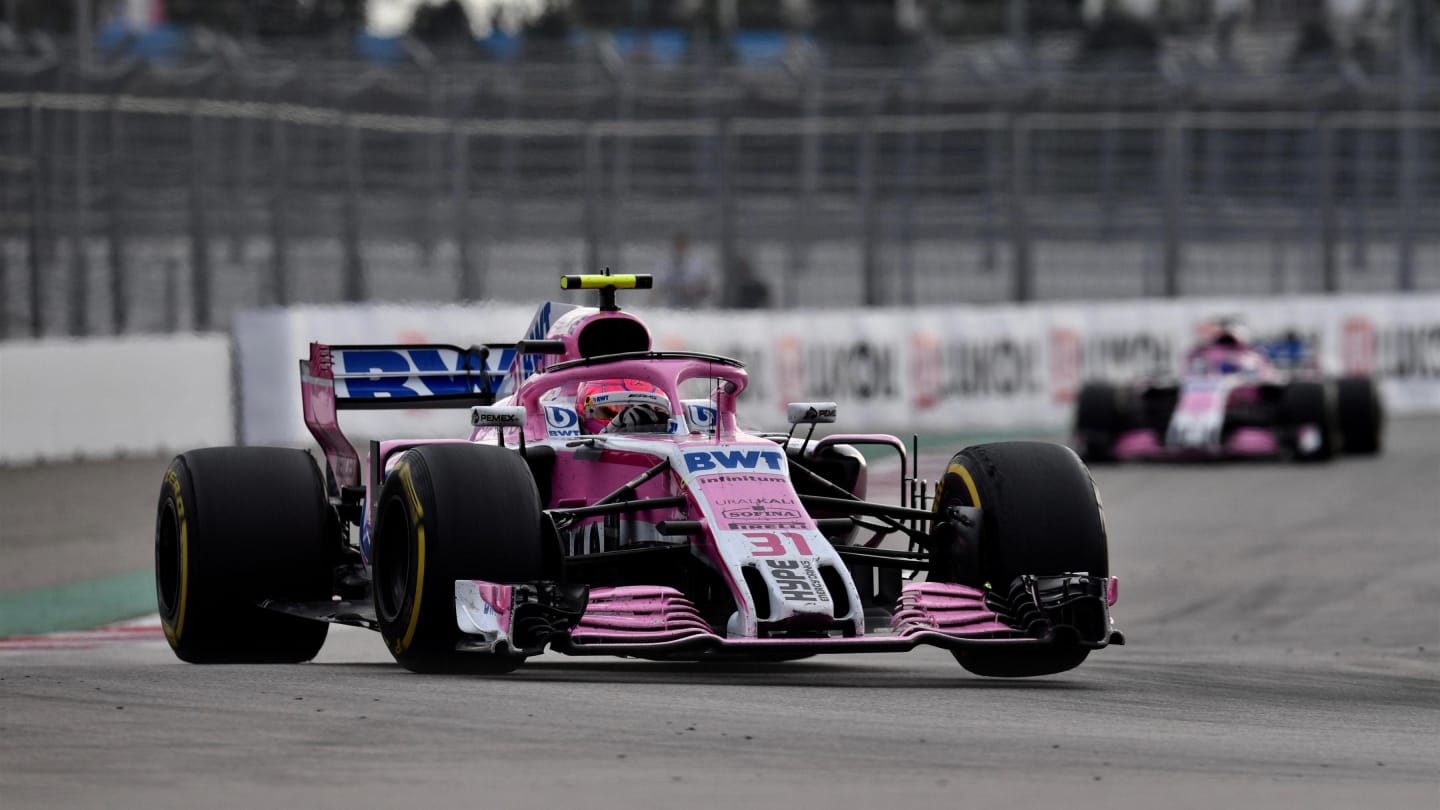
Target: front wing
(1070, 610)
(1250, 442)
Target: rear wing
(337, 378)
(411, 376)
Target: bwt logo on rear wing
(433, 376)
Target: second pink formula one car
(1231, 401)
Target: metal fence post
(1411, 58)
(806, 187)
(995, 135)
(433, 147)
(1172, 155)
(620, 151)
(1109, 157)
(4, 291)
(470, 286)
(591, 215)
(1270, 179)
(909, 147)
(874, 290)
(509, 168)
(38, 218)
(200, 298)
(170, 295)
(279, 226)
(353, 281)
(1364, 196)
(115, 197)
(1409, 195)
(79, 304)
(242, 169)
(1325, 199)
(725, 203)
(1022, 260)
(1216, 141)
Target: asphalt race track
(1285, 652)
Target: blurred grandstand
(166, 162)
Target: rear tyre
(236, 525)
(1099, 420)
(448, 512)
(1309, 419)
(1041, 515)
(1361, 416)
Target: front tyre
(1040, 515)
(234, 526)
(1308, 416)
(448, 512)
(1361, 415)
(1100, 418)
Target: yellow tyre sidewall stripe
(172, 633)
(409, 636)
(958, 469)
(418, 518)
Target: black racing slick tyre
(1361, 415)
(1099, 420)
(1040, 515)
(234, 526)
(1306, 406)
(449, 512)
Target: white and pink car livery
(1231, 402)
(1219, 379)
(693, 537)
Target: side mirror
(810, 413)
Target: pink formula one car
(607, 503)
(1232, 402)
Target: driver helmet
(608, 406)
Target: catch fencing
(156, 205)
